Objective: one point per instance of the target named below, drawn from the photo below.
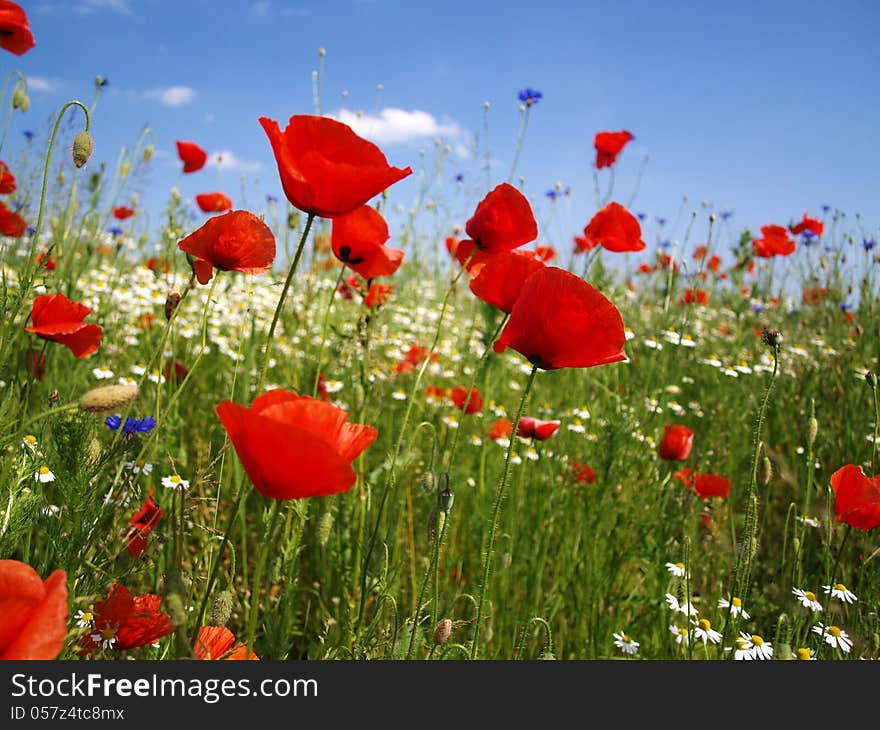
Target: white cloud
(227, 160)
(41, 83)
(85, 7)
(396, 126)
(172, 95)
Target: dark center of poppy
(538, 362)
(345, 255)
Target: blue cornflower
(758, 308)
(17, 205)
(826, 208)
(113, 422)
(725, 214)
(661, 221)
(28, 135)
(665, 244)
(459, 178)
(641, 216)
(115, 230)
(131, 425)
(868, 243)
(552, 194)
(808, 238)
(530, 96)
(271, 199)
(845, 306)
(31, 230)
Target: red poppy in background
(500, 280)
(11, 223)
(192, 156)
(142, 524)
(294, 446)
(502, 221)
(560, 321)
(54, 317)
(774, 242)
(378, 294)
(582, 244)
(695, 296)
(469, 402)
(501, 428)
(533, 428)
(15, 32)
(175, 371)
(50, 264)
(123, 621)
(608, 146)
(213, 202)
(234, 241)
(615, 229)
(808, 224)
(415, 356)
(856, 497)
(158, 265)
(35, 363)
(711, 485)
(685, 476)
(326, 169)
(7, 180)
(545, 253)
(34, 612)
(677, 443)
(218, 642)
(582, 473)
(645, 268)
(358, 240)
(122, 212)
(814, 295)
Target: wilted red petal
(560, 321)
(502, 221)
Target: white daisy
(102, 373)
(685, 608)
(625, 643)
(175, 482)
(804, 654)
(838, 590)
(677, 569)
(29, 442)
(736, 607)
(705, 632)
(85, 618)
(139, 466)
(834, 636)
(808, 521)
(682, 635)
(807, 599)
(43, 475)
(105, 639)
(754, 646)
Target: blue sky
(768, 109)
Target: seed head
(812, 431)
(771, 338)
(871, 379)
(107, 398)
(221, 609)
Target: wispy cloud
(399, 126)
(227, 160)
(42, 83)
(172, 95)
(84, 7)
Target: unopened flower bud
(871, 379)
(148, 152)
(445, 499)
(771, 338)
(221, 609)
(358, 396)
(83, 147)
(20, 99)
(124, 169)
(443, 631)
(171, 302)
(765, 472)
(427, 481)
(54, 397)
(107, 398)
(812, 431)
(293, 220)
(325, 525)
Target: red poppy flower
(213, 202)
(608, 146)
(293, 446)
(695, 296)
(142, 524)
(711, 485)
(358, 240)
(501, 429)
(54, 317)
(191, 155)
(615, 229)
(856, 497)
(500, 280)
(121, 213)
(7, 180)
(677, 443)
(326, 169)
(11, 223)
(235, 241)
(378, 294)
(582, 473)
(158, 265)
(124, 621)
(645, 268)
(808, 224)
(814, 295)
(435, 392)
(582, 244)
(50, 264)
(545, 253)
(35, 363)
(34, 612)
(532, 428)
(714, 264)
(415, 356)
(15, 32)
(502, 221)
(685, 476)
(774, 242)
(700, 253)
(560, 321)
(175, 371)
(467, 253)
(218, 642)
(468, 401)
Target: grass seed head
(107, 398)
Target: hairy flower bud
(20, 99)
(443, 631)
(765, 472)
(221, 609)
(812, 431)
(325, 525)
(171, 302)
(83, 147)
(107, 398)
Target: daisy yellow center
(139, 463)
(88, 616)
(810, 596)
(705, 625)
(737, 603)
(840, 587)
(30, 438)
(804, 654)
(741, 643)
(175, 479)
(107, 634)
(44, 470)
(626, 639)
(834, 631)
(757, 640)
(683, 632)
(680, 566)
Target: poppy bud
(443, 631)
(107, 398)
(427, 481)
(812, 431)
(20, 99)
(83, 147)
(771, 338)
(325, 524)
(148, 152)
(765, 472)
(221, 609)
(171, 302)
(871, 379)
(124, 169)
(445, 500)
(322, 52)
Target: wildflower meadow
(337, 422)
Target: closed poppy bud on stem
(765, 472)
(445, 500)
(148, 152)
(83, 147)
(20, 99)
(171, 302)
(221, 609)
(871, 379)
